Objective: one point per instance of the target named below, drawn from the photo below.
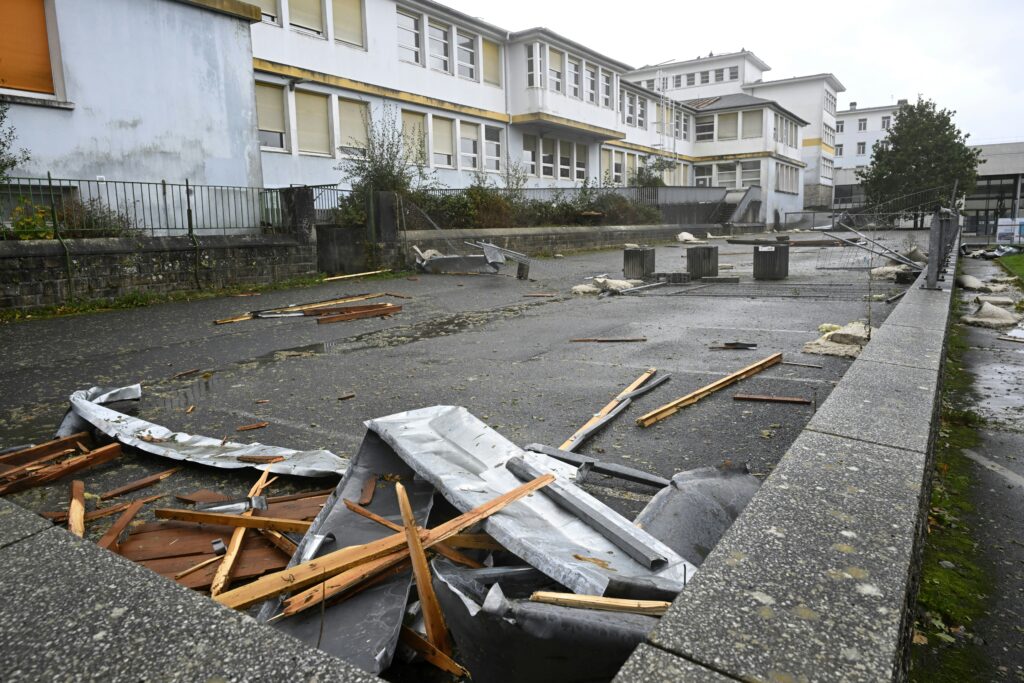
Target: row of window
(827, 168)
(862, 148)
(569, 75)
(828, 135)
(830, 102)
(730, 126)
(731, 73)
(449, 49)
(479, 148)
(551, 158)
(314, 121)
(786, 131)
(731, 175)
(862, 124)
(787, 178)
(310, 16)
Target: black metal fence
(44, 208)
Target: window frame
(607, 89)
(701, 132)
(574, 78)
(446, 43)
(329, 119)
(306, 30)
(862, 125)
(533, 162)
(362, 26)
(862, 148)
(580, 162)
(434, 153)
(474, 51)
(590, 78)
(488, 157)
(285, 137)
(691, 79)
(840, 126)
(344, 149)
(416, 31)
(556, 77)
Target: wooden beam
(196, 567)
(109, 539)
(39, 450)
(431, 654)
(343, 317)
(369, 487)
(338, 310)
(433, 617)
(319, 569)
(222, 578)
(70, 466)
(279, 541)
(76, 509)
(636, 384)
(138, 484)
(61, 516)
(354, 275)
(609, 340)
(651, 607)
(242, 521)
(37, 463)
(771, 399)
(659, 414)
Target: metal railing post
(191, 233)
(934, 252)
(56, 233)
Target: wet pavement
(998, 492)
(475, 341)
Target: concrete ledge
(817, 578)
(136, 245)
(73, 611)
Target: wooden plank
(244, 520)
(609, 340)
(334, 278)
(222, 577)
(138, 484)
(196, 567)
(303, 508)
(651, 607)
(319, 569)
(338, 310)
(202, 496)
(254, 425)
(14, 472)
(346, 583)
(343, 317)
(109, 539)
(62, 469)
(61, 516)
(328, 302)
(369, 487)
(771, 399)
(612, 405)
(259, 459)
(279, 541)
(251, 562)
(433, 617)
(659, 414)
(191, 540)
(431, 654)
(322, 493)
(39, 450)
(76, 509)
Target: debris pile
(490, 261)
(329, 311)
(973, 284)
(992, 316)
(846, 341)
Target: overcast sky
(964, 55)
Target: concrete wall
(34, 273)
(816, 580)
(152, 90)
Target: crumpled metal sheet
(201, 449)
(72, 423)
(464, 459)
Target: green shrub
(92, 218)
(30, 221)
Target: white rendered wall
(851, 136)
(161, 90)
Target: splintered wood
(51, 461)
(612, 405)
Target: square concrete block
(914, 347)
(73, 611)
(650, 665)
(17, 523)
(811, 581)
(882, 403)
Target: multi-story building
(857, 131)
(811, 98)
(288, 100)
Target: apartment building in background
(811, 98)
(279, 92)
(857, 131)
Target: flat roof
(711, 57)
(883, 107)
(737, 101)
(830, 78)
(542, 32)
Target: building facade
(811, 98)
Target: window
(705, 128)
(677, 124)
(606, 90)
(590, 84)
(547, 158)
(573, 75)
(686, 126)
(618, 163)
(312, 118)
(727, 126)
(267, 7)
(839, 150)
(840, 125)
(629, 108)
(830, 102)
(630, 169)
(826, 168)
(414, 134)
(353, 117)
(787, 178)
(440, 47)
(861, 147)
(750, 173)
(664, 83)
(641, 113)
(753, 124)
(719, 75)
(649, 84)
(606, 164)
(469, 145)
(726, 175)
(442, 142)
(691, 79)
(885, 122)
(828, 135)
(307, 15)
(492, 148)
(862, 124)
(705, 77)
(408, 38)
(702, 176)
(532, 70)
(677, 81)
(492, 62)
(465, 54)
(565, 160)
(270, 115)
(734, 73)
(348, 21)
(530, 154)
(581, 162)
(556, 68)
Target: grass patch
(1013, 264)
(140, 299)
(953, 591)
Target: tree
(9, 156)
(924, 150)
(650, 174)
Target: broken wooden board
(109, 539)
(334, 278)
(649, 607)
(31, 454)
(72, 465)
(246, 521)
(138, 484)
(771, 399)
(344, 317)
(633, 386)
(224, 571)
(433, 618)
(76, 509)
(659, 414)
(252, 562)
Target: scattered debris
(587, 464)
(889, 272)
(76, 509)
(296, 310)
(608, 340)
(651, 607)
(845, 342)
(615, 286)
(734, 346)
(250, 427)
(973, 284)
(345, 397)
(586, 290)
(138, 484)
(994, 300)
(803, 365)
(608, 413)
(35, 466)
(659, 414)
(185, 373)
(333, 278)
(771, 399)
(988, 315)
(344, 314)
(688, 238)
